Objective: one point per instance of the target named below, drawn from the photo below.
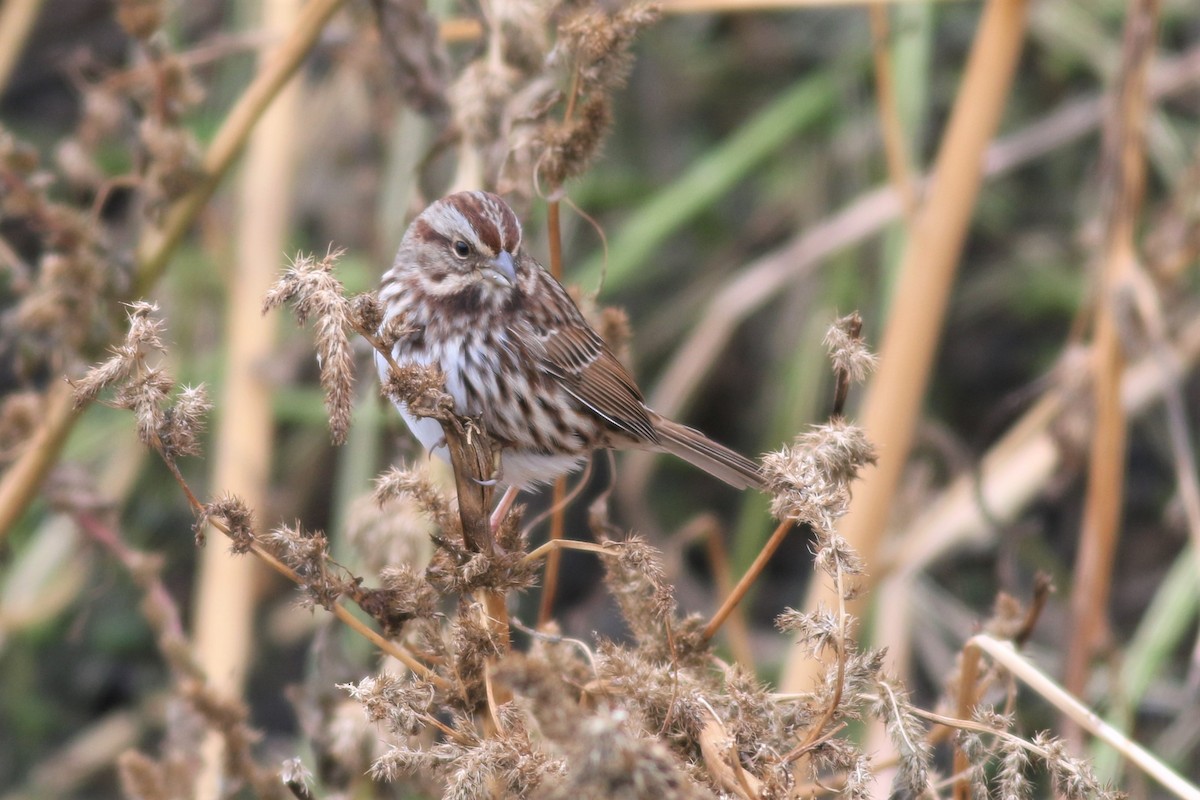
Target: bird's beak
(502, 269)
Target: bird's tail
(701, 452)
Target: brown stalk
(737, 632)
(927, 271)
(1123, 168)
(16, 21)
(967, 699)
(899, 170)
(817, 732)
(19, 485)
(747, 580)
(1007, 657)
(545, 549)
(225, 592)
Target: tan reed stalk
(927, 269)
(1123, 168)
(16, 21)
(225, 590)
(1028, 673)
(895, 149)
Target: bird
(519, 355)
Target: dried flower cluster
(170, 424)
(537, 102)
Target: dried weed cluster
(461, 710)
(532, 110)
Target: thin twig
(569, 544)
(816, 731)
(747, 580)
(341, 612)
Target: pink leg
(502, 508)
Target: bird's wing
(579, 361)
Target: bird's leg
(502, 508)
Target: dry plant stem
(19, 485)
(930, 260)
(1007, 656)
(16, 21)
(554, 557)
(743, 585)
(737, 632)
(567, 544)
(1123, 167)
(817, 731)
(968, 676)
(721, 758)
(899, 170)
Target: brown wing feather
(577, 358)
(589, 372)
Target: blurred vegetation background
(745, 196)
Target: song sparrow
(517, 352)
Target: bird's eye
(462, 249)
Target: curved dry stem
(567, 544)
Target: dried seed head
(183, 423)
(235, 516)
(847, 350)
(811, 480)
(313, 290)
